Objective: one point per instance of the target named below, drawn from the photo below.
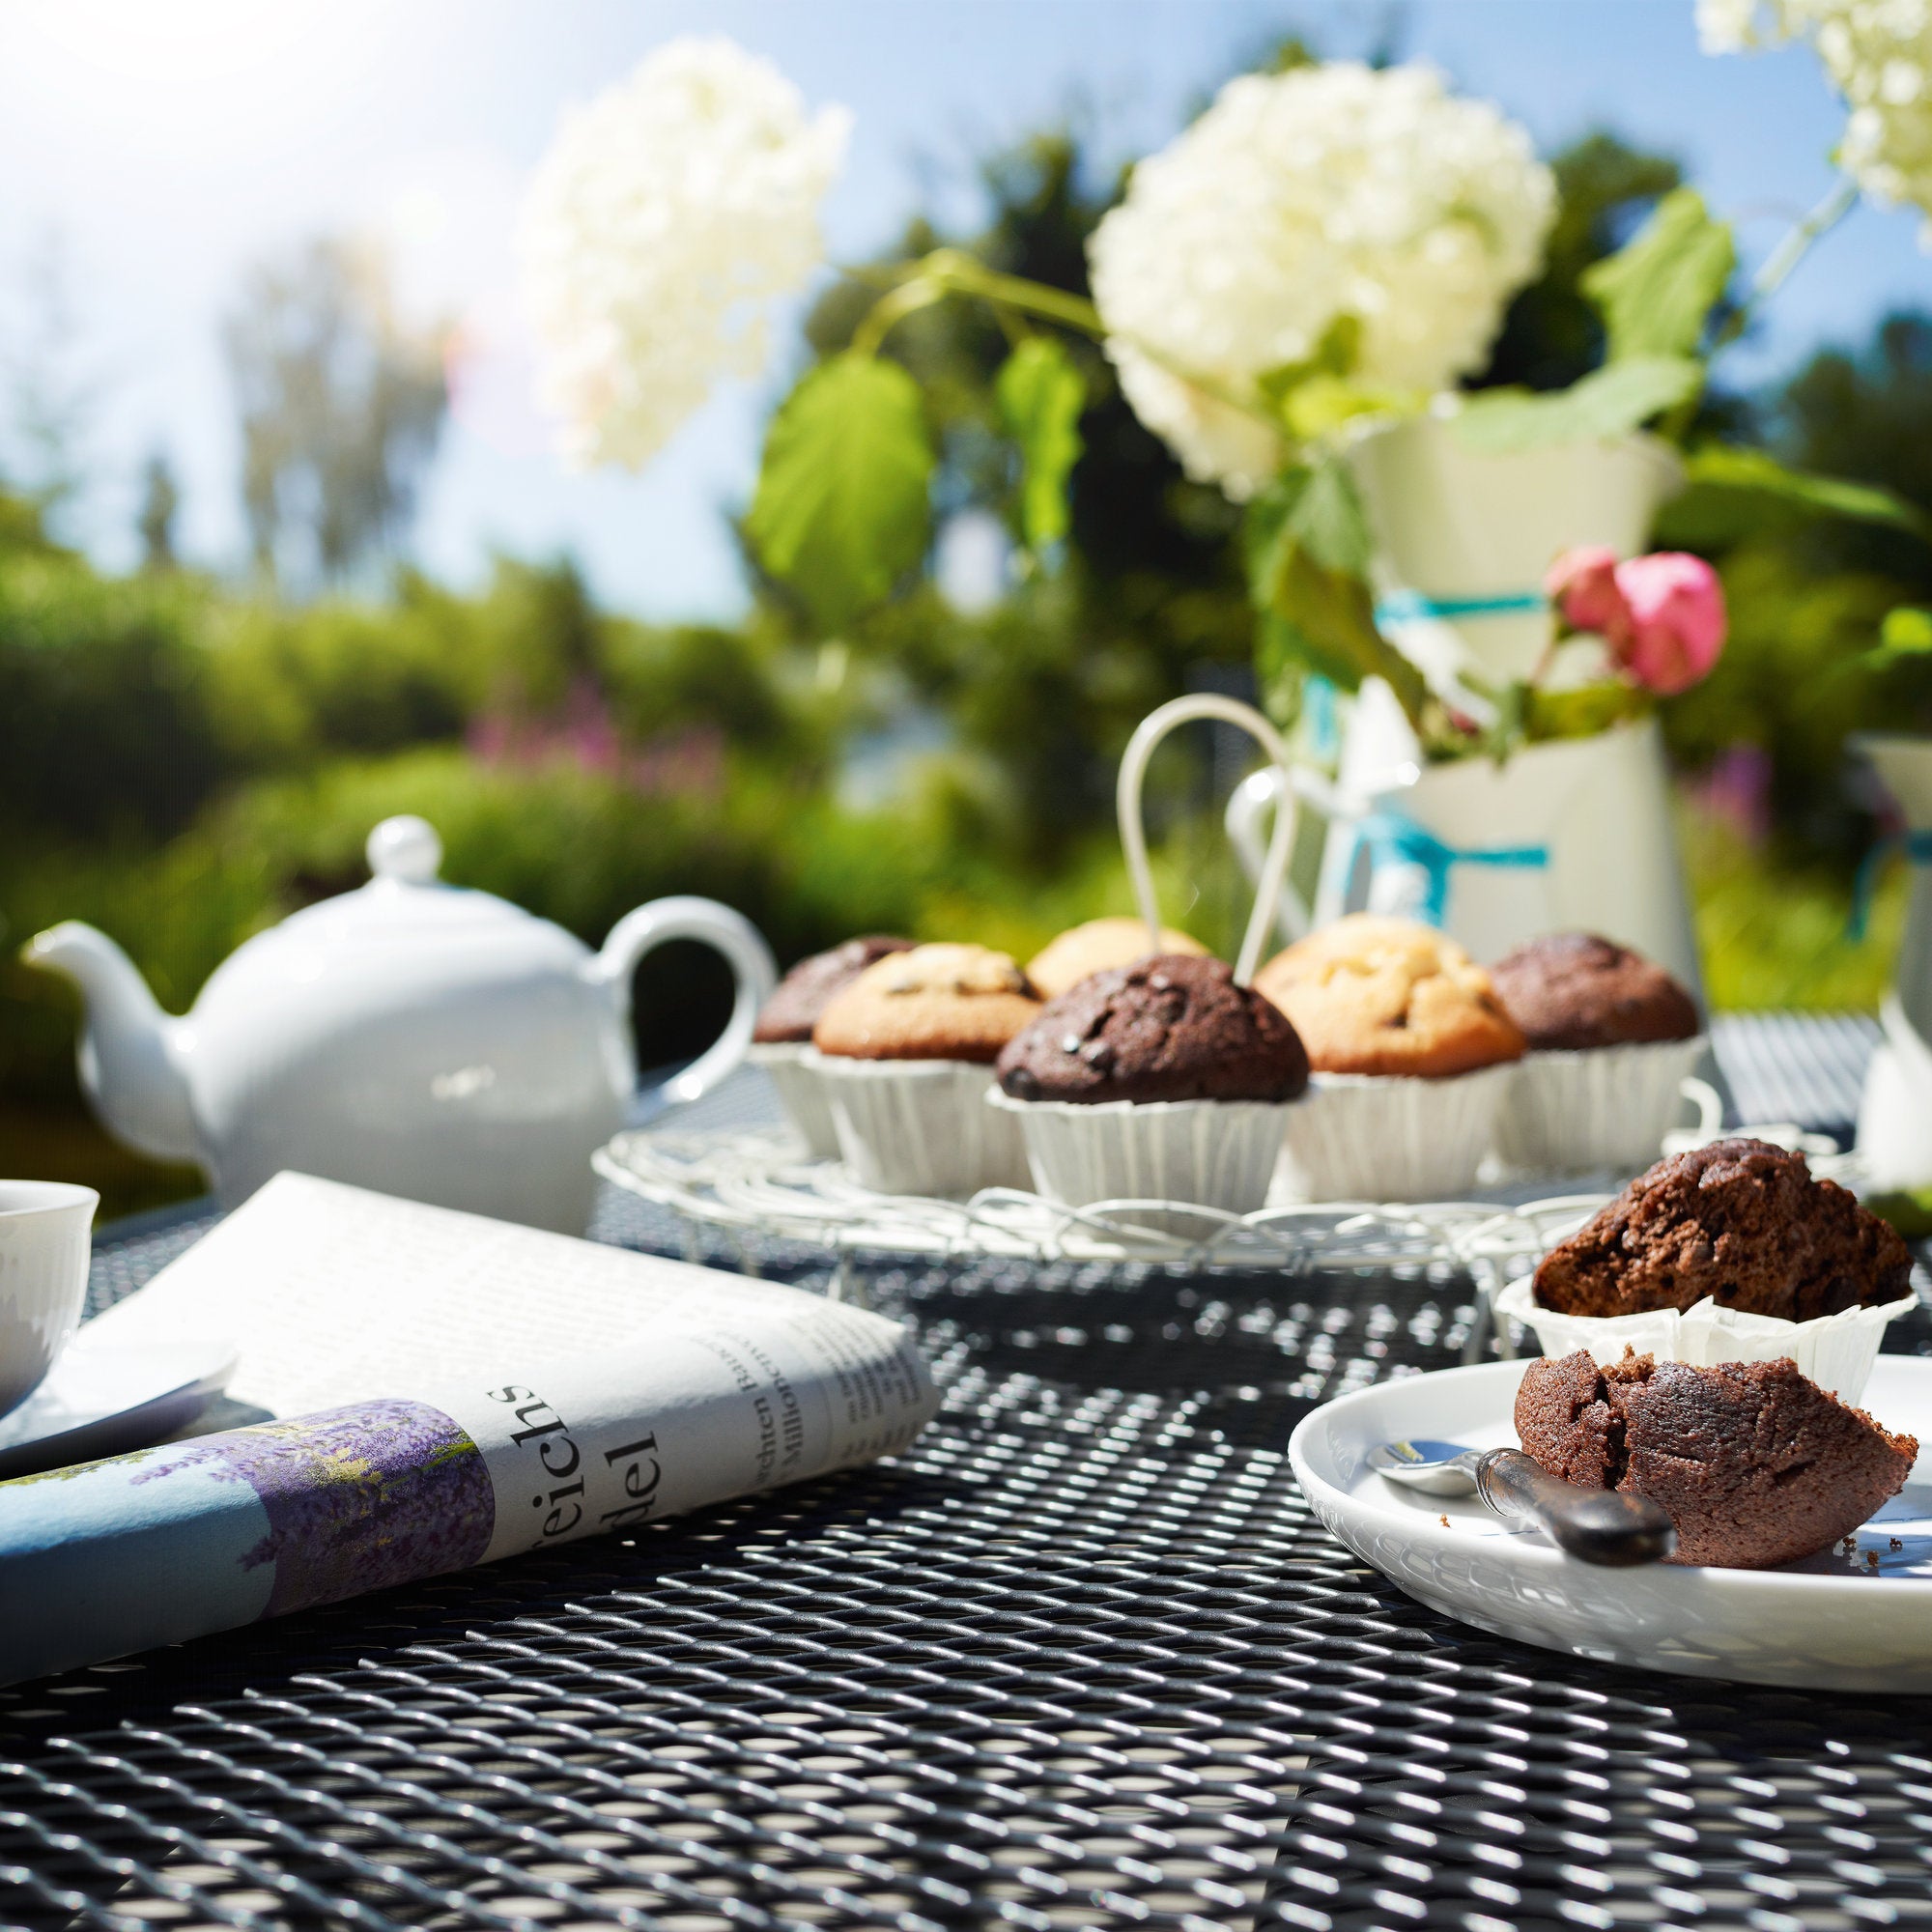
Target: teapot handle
(1133, 834)
(745, 951)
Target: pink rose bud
(1582, 584)
(1676, 623)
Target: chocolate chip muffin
(1572, 991)
(1097, 947)
(789, 1015)
(1173, 1027)
(1388, 996)
(931, 1003)
(1740, 1221)
(1755, 1463)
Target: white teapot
(409, 1037)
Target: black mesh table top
(1082, 1658)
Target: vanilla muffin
(1387, 996)
(932, 1002)
(1098, 947)
(1412, 1055)
(907, 1056)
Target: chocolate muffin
(1755, 1463)
(789, 1015)
(1573, 991)
(1740, 1221)
(1173, 1027)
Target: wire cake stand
(756, 1182)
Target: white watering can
(409, 1038)
(1575, 833)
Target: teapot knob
(406, 848)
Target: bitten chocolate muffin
(789, 1015)
(1173, 1027)
(1740, 1221)
(1572, 991)
(1755, 1463)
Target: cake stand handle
(1133, 832)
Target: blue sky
(166, 146)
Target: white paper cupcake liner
(801, 1093)
(1391, 1137)
(1836, 1351)
(920, 1126)
(1580, 1113)
(1211, 1154)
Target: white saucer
(1833, 1621)
(103, 1397)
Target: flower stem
(1771, 276)
(1778, 265)
(949, 271)
(1792, 250)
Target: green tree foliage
(154, 523)
(340, 406)
(1867, 414)
(104, 717)
(1808, 600)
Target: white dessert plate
(1837, 1621)
(101, 1397)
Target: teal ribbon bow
(1391, 838)
(1918, 849)
(1404, 607)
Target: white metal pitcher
(1570, 834)
(1895, 1114)
(1575, 833)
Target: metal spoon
(1597, 1525)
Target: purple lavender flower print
(357, 1498)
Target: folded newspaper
(434, 1390)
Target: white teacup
(45, 1233)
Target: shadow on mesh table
(1308, 1336)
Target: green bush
(104, 725)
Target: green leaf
(1657, 293)
(1734, 493)
(1905, 634)
(841, 510)
(1608, 403)
(1908, 1209)
(1041, 394)
(1307, 546)
(1326, 518)
(1315, 397)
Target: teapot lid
(404, 899)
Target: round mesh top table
(1082, 1658)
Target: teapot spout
(128, 1070)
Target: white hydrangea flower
(1878, 54)
(1298, 199)
(666, 217)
